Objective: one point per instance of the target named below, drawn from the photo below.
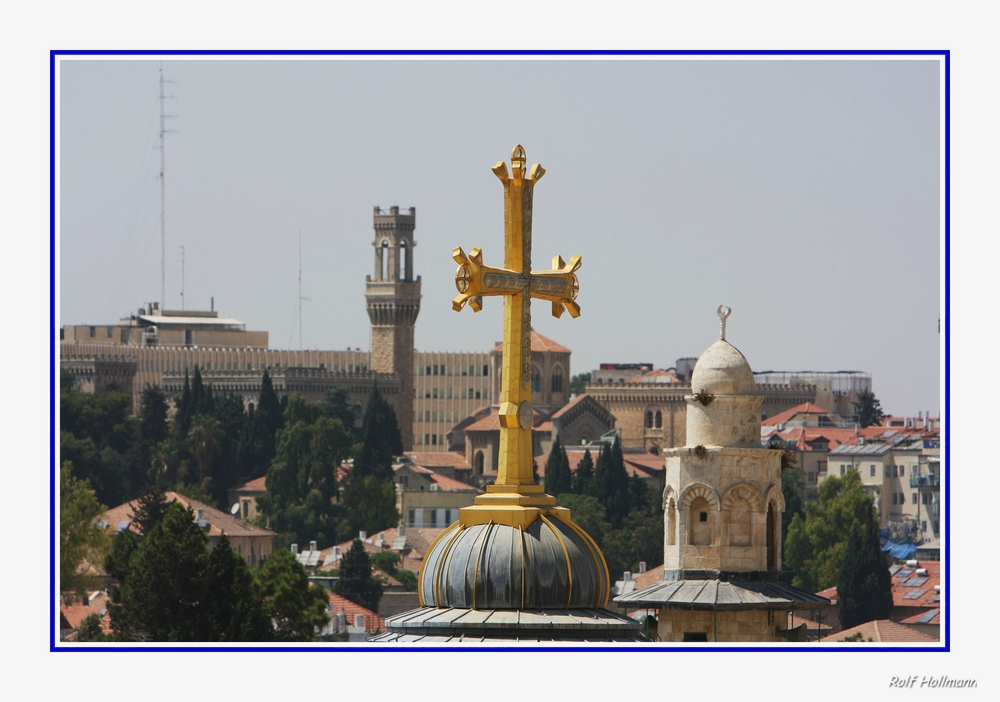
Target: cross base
(515, 509)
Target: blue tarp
(900, 551)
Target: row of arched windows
(654, 420)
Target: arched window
(659, 419)
(671, 523)
(404, 261)
(557, 381)
(772, 554)
(739, 523)
(479, 462)
(649, 419)
(536, 379)
(384, 260)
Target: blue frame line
(396, 648)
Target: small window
(659, 419)
(914, 498)
(536, 380)
(895, 497)
(93, 331)
(447, 517)
(486, 370)
(477, 394)
(434, 518)
(411, 517)
(902, 471)
(695, 636)
(557, 381)
(872, 469)
(703, 516)
(842, 469)
(649, 419)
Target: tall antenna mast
(182, 275)
(163, 216)
(300, 288)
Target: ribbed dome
(722, 370)
(550, 565)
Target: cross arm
(475, 279)
(559, 285)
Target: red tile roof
(338, 604)
(915, 619)
(804, 408)
(446, 484)
(798, 621)
(835, 436)
(539, 343)
(908, 574)
(256, 485)
(882, 630)
(76, 612)
(218, 521)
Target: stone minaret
(393, 302)
(722, 517)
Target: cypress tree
(558, 478)
(583, 481)
(382, 440)
(864, 589)
(356, 581)
(232, 608)
(150, 509)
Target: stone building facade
(392, 297)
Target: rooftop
(881, 630)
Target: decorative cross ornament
(517, 283)
(723, 313)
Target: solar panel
(916, 595)
(914, 582)
(895, 569)
(906, 572)
(927, 617)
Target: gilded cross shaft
(518, 284)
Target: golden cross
(517, 283)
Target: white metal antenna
(300, 288)
(181, 247)
(163, 216)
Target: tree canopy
(558, 478)
(815, 547)
(81, 538)
(356, 582)
(296, 607)
(868, 409)
(864, 588)
(381, 438)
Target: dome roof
(722, 370)
(551, 564)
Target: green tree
(640, 538)
(814, 551)
(302, 481)
(792, 486)
(370, 503)
(336, 405)
(578, 382)
(153, 411)
(381, 440)
(296, 607)
(611, 481)
(204, 438)
(118, 563)
(558, 478)
(356, 581)
(864, 589)
(583, 480)
(81, 538)
(868, 409)
(587, 513)
(159, 599)
(150, 509)
(231, 608)
(90, 629)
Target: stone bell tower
(392, 296)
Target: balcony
(932, 481)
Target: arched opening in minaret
(772, 551)
(404, 261)
(740, 523)
(383, 261)
(700, 523)
(671, 517)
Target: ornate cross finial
(518, 284)
(723, 313)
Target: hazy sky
(804, 194)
